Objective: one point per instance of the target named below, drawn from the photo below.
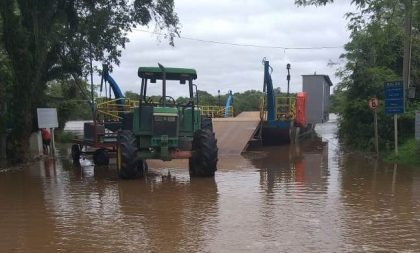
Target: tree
(132, 95)
(248, 101)
(5, 85)
(57, 39)
(206, 98)
(70, 100)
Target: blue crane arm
(229, 101)
(114, 86)
(268, 84)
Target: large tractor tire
(203, 162)
(130, 168)
(206, 123)
(101, 157)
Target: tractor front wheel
(101, 157)
(203, 162)
(75, 153)
(130, 167)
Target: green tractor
(164, 129)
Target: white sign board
(417, 125)
(47, 117)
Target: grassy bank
(408, 153)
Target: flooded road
(312, 197)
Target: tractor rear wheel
(130, 168)
(101, 157)
(203, 162)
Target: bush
(408, 153)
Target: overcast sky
(277, 23)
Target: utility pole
(407, 45)
(288, 78)
(92, 93)
(288, 88)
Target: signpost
(47, 118)
(394, 104)
(373, 105)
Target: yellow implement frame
(285, 108)
(216, 111)
(111, 109)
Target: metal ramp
(233, 134)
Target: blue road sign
(394, 97)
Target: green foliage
(248, 101)
(69, 100)
(373, 55)
(408, 153)
(132, 95)
(205, 98)
(56, 39)
(337, 101)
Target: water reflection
(90, 206)
(311, 197)
(300, 165)
(173, 216)
(381, 201)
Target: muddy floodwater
(312, 197)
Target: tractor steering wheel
(189, 104)
(171, 99)
(149, 100)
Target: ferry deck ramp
(233, 134)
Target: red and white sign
(373, 103)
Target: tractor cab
(158, 117)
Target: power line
(244, 45)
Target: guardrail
(216, 111)
(285, 108)
(111, 109)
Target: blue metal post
(229, 101)
(268, 83)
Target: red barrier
(300, 120)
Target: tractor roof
(171, 73)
